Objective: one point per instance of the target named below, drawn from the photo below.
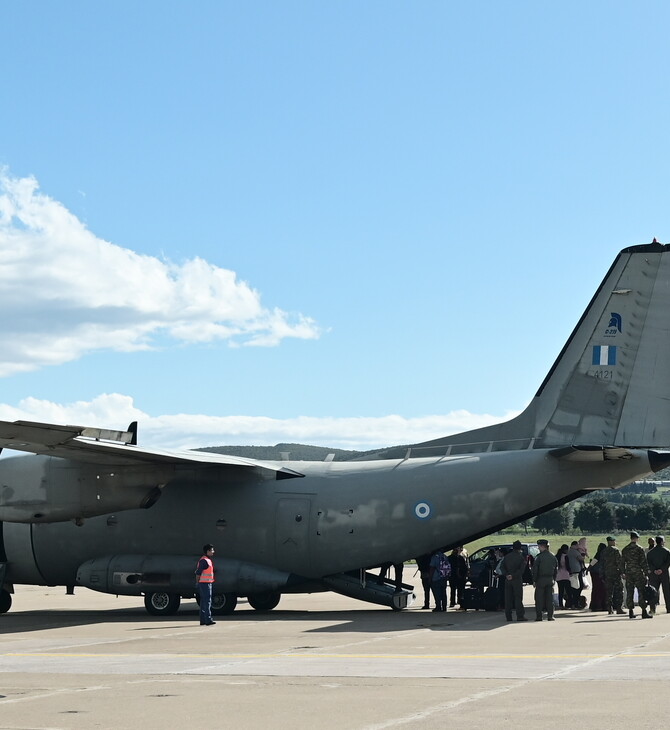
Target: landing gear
(162, 603)
(5, 601)
(264, 601)
(223, 603)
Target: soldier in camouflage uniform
(635, 571)
(612, 568)
(545, 566)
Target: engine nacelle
(48, 489)
(133, 575)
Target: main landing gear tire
(223, 603)
(264, 601)
(5, 601)
(161, 603)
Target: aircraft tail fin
(610, 385)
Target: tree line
(597, 514)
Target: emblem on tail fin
(614, 326)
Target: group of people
(610, 572)
(439, 572)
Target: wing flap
(591, 453)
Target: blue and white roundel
(422, 510)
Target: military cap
(634, 533)
(660, 537)
(516, 544)
(543, 542)
(611, 538)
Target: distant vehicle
(481, 564)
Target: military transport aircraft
(93, 508)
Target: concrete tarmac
(322, 660)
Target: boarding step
(367, 587)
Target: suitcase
(650, 595)
(491, 599)
(473, 598)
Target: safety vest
(207, 575)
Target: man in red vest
(205, 578)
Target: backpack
(444, 566)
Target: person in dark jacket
(512, 567)
(658, 559)
(423, 564)
(598, 593)
(576, 566)
(458, 577)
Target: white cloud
(179, 431)
(64, 292)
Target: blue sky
(345, 223)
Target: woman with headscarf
(598, 592)
(563, 578)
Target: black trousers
(514, 598)
(456, 588)
(661, 581)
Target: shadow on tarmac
(381, 620)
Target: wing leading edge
(95, 445)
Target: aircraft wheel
(223, 603)
(5, 601)
(264, 601)
(162, 603)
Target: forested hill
(296, 452)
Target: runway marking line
(299, 655)
(590, 660)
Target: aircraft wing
(96, 445)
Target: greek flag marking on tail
(604, 355)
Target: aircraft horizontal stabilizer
(103, 446)
(591, 453)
